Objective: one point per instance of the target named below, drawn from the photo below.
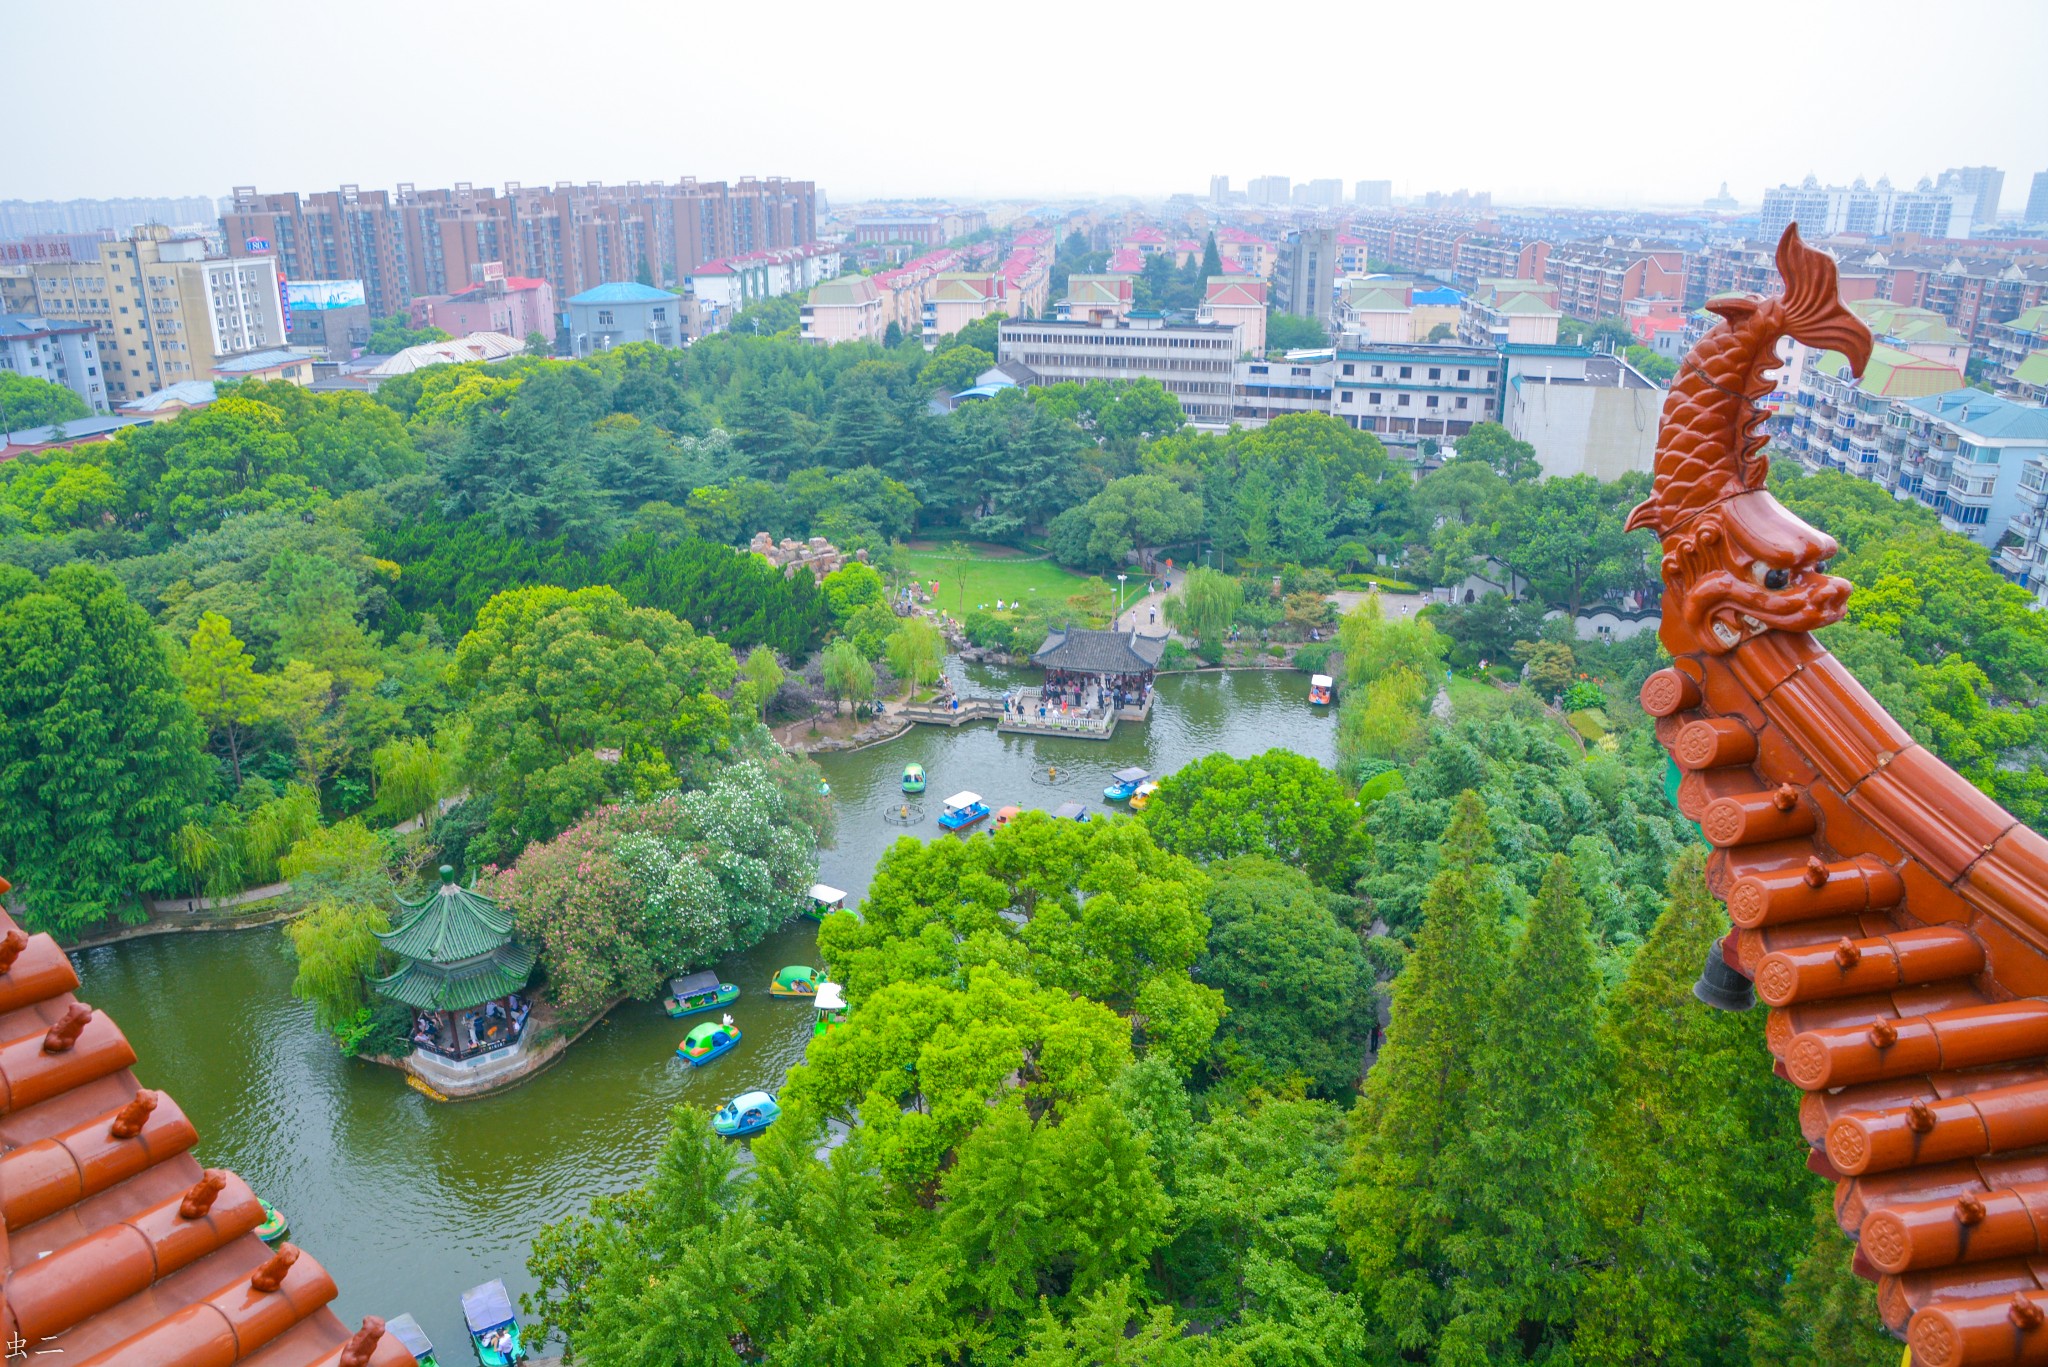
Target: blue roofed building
(621, 312)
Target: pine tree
(1828, 1317)
(1523, 1239)
(1700, 1207)
(1394, 1206)
(1212, 260)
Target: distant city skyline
(1605, 136)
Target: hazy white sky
(1607, 101)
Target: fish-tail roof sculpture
(1892, 917)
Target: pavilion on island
(461, 972)
(1093, 678)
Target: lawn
(992, 572)
(1471, 697)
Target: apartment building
(1239, 301)
(1244, 253)
(62, 353)
(623, 312)
(1836, 421)
(515, 305)
(727, 285)
(2037, 198)
(1867, 210)
(1267, 190)
(2013, 342)
(1586, 413)
(1405, 393)
(1985, 184)
(1305, 275)
(1373, 194)
(411, 241)
(331, 317)
(1327, 193)
(1093, 298)
(1597, 280)
(1915, 331)
(162, 309)
(1194, 360)
(1270, 389)
(1219, 189)
(1500, 313)
(958, 298)
(849, 308)
(1375, 310)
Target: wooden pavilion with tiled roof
(460, 970)
(119, 1249)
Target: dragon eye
(1821, 568)
(1777, 579)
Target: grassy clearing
(964, 584)
(1472, 698)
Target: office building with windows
(62, 353)
(163, 310)
(1194, 360)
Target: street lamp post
(1120, 598)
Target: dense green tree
(335, 945)
(1521, 1242)
(1566, 536)
(99, 752)
(394, 334)
(1396, 1209)
(848, 676)
(26, 402)
(221, 685)
(1293, 332)
(955, 368)
(1699, 1199)
(1291, 973)
(1278, 804)
(1512, 459)
(551, 676)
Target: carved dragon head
(1737, 563)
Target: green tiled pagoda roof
(449, 926)
(429, 987)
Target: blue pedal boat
(748, 1113)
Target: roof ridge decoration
(1893, 918)
(114, 1237)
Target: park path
(1147, 615)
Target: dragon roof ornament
(1893, 918)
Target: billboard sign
(256, 244)
(323, 294)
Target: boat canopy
(1320, 680)
(826, 895)
(959, 800)
(1133, 775)
(913, 771)
(486, 1306)
(797, 973)
(1068, 811)
(831, 997)
(706, 1033)
(690, 984)
(754, 1101)
(407, 1331)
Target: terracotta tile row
(119, 1249)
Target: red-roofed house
(1128, 261)
(1244, 254)
(512, 304)
(1239, 299)
(1146, 241)
(958, 298)
(1093, 298)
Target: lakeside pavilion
(1093, 679)
(462, 973)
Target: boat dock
(970, 709)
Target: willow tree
(1208, 603)
(336, 946)
(915, 651)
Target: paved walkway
(1392, 605)
(1146, 615)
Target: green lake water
(409, 1201)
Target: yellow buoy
(904, 811)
